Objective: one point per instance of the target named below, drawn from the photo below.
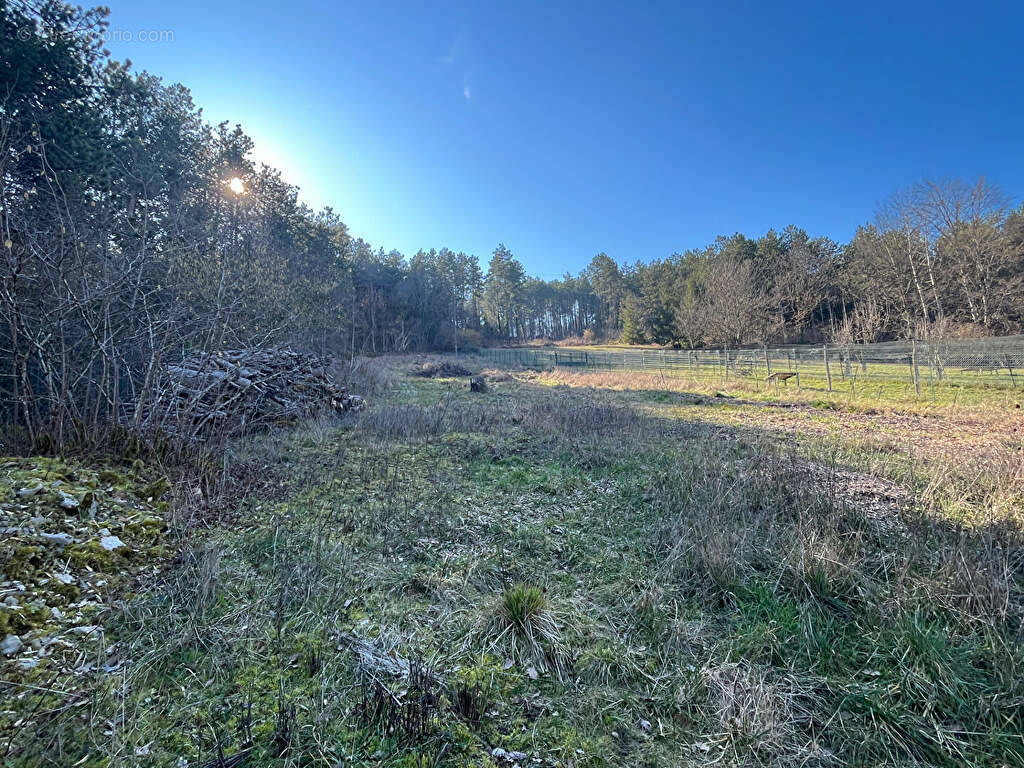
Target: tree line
(941, 259)
(133, 233)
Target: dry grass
(367, 376)
(441, 369)
(545, 412)
(966, 463)
(711, 596)
(634, 380)
(754, 713)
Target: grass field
(842, 380)
(572, 569)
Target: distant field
(990, 378)
(575, 568)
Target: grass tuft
(523, 622)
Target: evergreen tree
(632, 322)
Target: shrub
(469, 339)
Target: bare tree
(736, 313)
(962, 223)
(906, 247)
(691, 319)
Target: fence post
(767, 363)
(913, 367)
(828, 371)
(931, 370)
(796, 368)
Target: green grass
(864, 386)
(583, 576)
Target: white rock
(31, 491)
(111, 543)
(64, 578)
(10, 645)
(68, 501)
(11, 601)
(29, 662)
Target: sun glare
(237, 185)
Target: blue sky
(565, 129)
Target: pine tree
(632, 323)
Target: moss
(147, 530)
(18, 621)
(487, 674)
(110, 478)
(155, 489)
(91, 554)
(8, 623)
(25, 559)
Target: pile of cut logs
(236, 390)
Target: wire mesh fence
(936, 370)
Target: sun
(237, 185)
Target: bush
(469, 339)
